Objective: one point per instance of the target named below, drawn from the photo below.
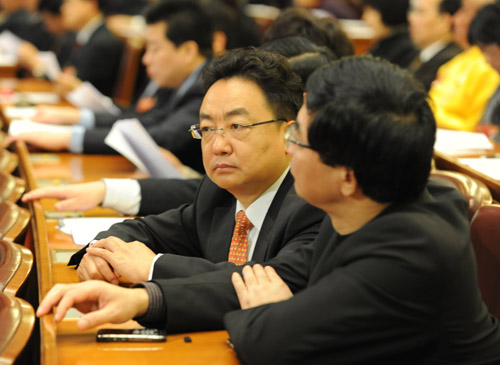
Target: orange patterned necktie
(239, 242)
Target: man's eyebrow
(231, 113)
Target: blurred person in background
(431, 30)
(388, 19)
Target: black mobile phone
(131, 335)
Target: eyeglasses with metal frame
(235, 130)
(290, 132)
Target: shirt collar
(83, 36)
(430, 51)
(191, 79)
(257, 211)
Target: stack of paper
(461, 143)
(9, 48)
(129, 137)
(20, 112)
(84, 230)
(24, 126)
(87, 96)
(488, 166)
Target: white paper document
(23, 125)
(50, 65)
(487, 166)
(20, 112)
(87, 96)
(85, 229)
(457, 142)
(9, 46)
(129, 137)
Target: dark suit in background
(426, 71)
(397, 48)
(167, 122)
(98, 60)
(29, 27)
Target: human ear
(349, 183)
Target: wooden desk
(446, 162)
(63, 343)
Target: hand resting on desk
(83, 196)
(101, 302)
(111, 258)
(45, 140)
(56, 115)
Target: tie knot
(242, 221)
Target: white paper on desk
(9, 45)
(457, 142)
(50, 65)
(23, 125)
(87, 96)
(20, 112)
(488, 166)
(129, 137)
(39, 97)
(85, 229)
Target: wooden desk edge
(447, 162)
(48, 353)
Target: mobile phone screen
(131, 335)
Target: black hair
(186, 21)
(449, 6)
(270, 71)
(293, 46)
(373, 117)
(393, 12)
(50, 6)
(321, 31)
(485, 27)
(306, 63)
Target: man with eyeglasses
(252, 97)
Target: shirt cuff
(150, 277)
(87, 118)
(76, 141)
(156, 314)
(123, 195)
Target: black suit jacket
(160, 195)
(396, 48)
(400, 290)
(168, 123)
(426, 72)
(28, 27)
(98, 61)
(196, 239)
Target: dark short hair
(449, 6)
(270, 71)
(306, 63)
(293, 46)
(186, 21)
(50, 6)
(321, 31)
(485, 27)
(392, 12)
(373, 117)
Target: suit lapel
(266, 234)
(221, 232)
